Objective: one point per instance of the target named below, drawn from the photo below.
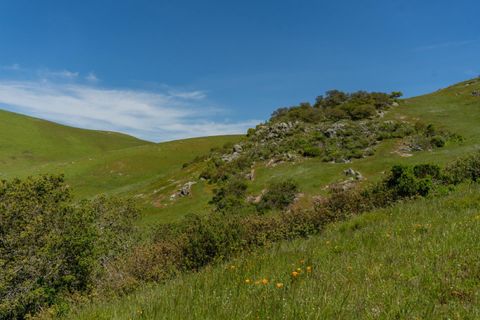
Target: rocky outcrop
(184, 191)
(236, 152)
(353, 174)
(275, 131)
(333, 130)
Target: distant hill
(93, 161)
(26, 141)
(105, 162)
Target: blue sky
(164, 70)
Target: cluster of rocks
(276, 130)
(285, 157)
(184, 191)
(475, 93)
(333, 130)
(356, 175)
(236, 152)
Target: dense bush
(337, 105)
(465, 168)
(50, 246)
(312, 151)
(279, 195)
(230, 196)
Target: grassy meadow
(104, 162)
(416, 260)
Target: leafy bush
(337, 105)
(438, 141)
(50, 246)
(425, 170)
(230, 196)
(465, 168)
(278, 196)
(312, 151)
(405, 183)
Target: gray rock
(230, 157)
(330, 133)
(237, 148)
(354, 174)
(186, 189)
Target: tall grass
(414, 260)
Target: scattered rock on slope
(354, 174)
(184, 191)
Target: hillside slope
(102, 162)
(97, 162)
(27, 141)
(413, 261)
(454, 109)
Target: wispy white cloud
(156, 116)
(447, 44)
(91, 77)
(54, 74)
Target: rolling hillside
(415, 259)
(97, 162)
(103, 162)
(27, 141)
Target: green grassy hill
(413, 261)
(27, 141)
(97, 162)
(103, 162)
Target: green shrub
(312, 151)
(438, 141)
(405, 183)
(230, 197)
(50, 246)
(278, 196)
(463, 169)
(425, 170)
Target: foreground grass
(415, 260)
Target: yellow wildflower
(309, 269)
(248, 281)
(279, 285)
(295, 274)
(264, 281)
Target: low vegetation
(50, 246)
(84, 248)
(415, 260)
(290, 178)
